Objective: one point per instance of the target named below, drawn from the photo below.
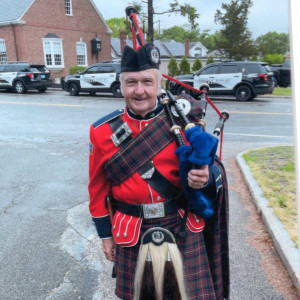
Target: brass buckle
(154, 210)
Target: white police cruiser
(22, 76)
(242, 79)
(100, 77)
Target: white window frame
(52, 42)
(4, 52)
(68, 8)
(85, 53)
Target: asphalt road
(49, 249)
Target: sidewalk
(286, 249)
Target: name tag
(153, 210)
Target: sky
(264, 15)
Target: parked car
(21, 76)
(282, 73)
(242, 79)
(271, 76)
(100, 77)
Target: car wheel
(20, 87)
(243, 93)
(275, 82)
(116, 90)
(42, 89)
(73, 89)
(181, 89)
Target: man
(132, 192)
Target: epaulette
(108, 117)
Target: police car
(21, 76)
(242, 79)
(100, 77)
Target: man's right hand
(109, 248)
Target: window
(68, 7)
(81, 54)
(53, 53)
(198, 52)
(210, 70)
(107, 69)
(3, 55)
(227, 69)
(93, 70)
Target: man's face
(140, 90)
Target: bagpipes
(159, 271)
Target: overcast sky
(264, 16)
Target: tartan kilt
(198, 278)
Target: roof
(116, 45)
(13, 10)
(175, 48)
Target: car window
(11, 68)
(41, 69)
(225, 69)
(118, 68)
(92, 70)
(253, 68)
(210, 70)
(106, 69)
(1, 68)
(23, 68)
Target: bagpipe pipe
(196, 148)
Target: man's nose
(139, 88)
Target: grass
(274, 170)
(279, 91)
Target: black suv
(100, 77)
(21, 76)
(242, 79)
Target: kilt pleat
(196, 266)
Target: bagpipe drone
(159, 255)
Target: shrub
(197, 65)
(173, 67)
(210, 60)
(273, 59)
(184, 66)
(75, 69)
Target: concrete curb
(285, 247)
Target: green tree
(173, 67)
(180, 34)
(235, 41)
(185, 10)
(273, 43)
(184, 66)
(273, 59)
(119, 24)
(210, 60)
(197, 65)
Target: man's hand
(109, 248)
(197, 178)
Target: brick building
(56, 33)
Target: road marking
(260, 113)
(41, 104)
(260, 135)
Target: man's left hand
(197, 178)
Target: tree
(184, 66)
(173, 67)
(273, 43)
(119, 24)
(180, 34)
(185, 10)
(235, 41)
(197, 65)
(273, 59)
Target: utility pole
(150, 21)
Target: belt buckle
(121, 134)
(154, 210)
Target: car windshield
(23, 68)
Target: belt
(147, 211)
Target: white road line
(260, 135)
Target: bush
(184, 66)
(75, 69)
(173, 67)
(197, 65)
(210, 60)
(273, 59)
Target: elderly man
(117, 152)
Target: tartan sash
(150, 141)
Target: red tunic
(134, 190)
